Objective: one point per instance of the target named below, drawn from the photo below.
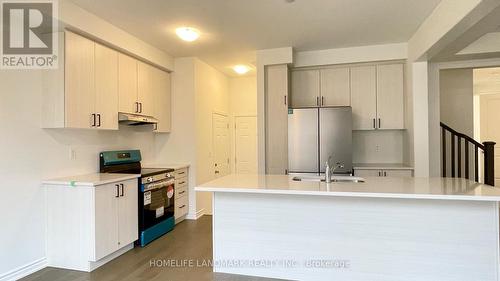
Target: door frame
(233, 146)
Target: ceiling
(233, 29)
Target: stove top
(154, 171)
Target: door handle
(216, 172)
(98, 120)
(123, 192)
(117, 190)
(93, 120)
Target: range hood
(135, 119)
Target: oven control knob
(150, 179)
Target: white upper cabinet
(83, 92)
(146, 88)
(305, 90)
(335, 87)
(363, 97)
(106, 87)
(94, 83)
(390, 96)
(127, 84)
(79, 89)
(163, 101)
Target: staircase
(459, 159)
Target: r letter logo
(29, 38)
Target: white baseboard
(24, 270)
(196, 216)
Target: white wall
(211, 96)
(351, 55)
(381, 146)
(456, 99)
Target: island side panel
(346, 238)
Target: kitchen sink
(334, 178)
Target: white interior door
(246, 145)
(220, 127)
(490, 130)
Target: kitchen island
(383, 229)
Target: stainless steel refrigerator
(315, 134)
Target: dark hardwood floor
(190, 240)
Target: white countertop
(175, 166)
(381, 166)
(91, 179)
(376, 187)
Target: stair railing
(488, 148)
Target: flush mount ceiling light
(188, 34)
(241, 69)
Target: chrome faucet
(329, 170)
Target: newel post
(489, 162)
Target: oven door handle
(158, 185)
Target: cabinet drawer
(398, 173)
(181, 173)
(179, 182)
(181, 206)
(180, 191)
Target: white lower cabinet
(181, 194)
(88, 226)
(399, 173)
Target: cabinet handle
(379, 123)
(98, 120)
(117, 190)
(182, 192)
(136, 107)
(181, 173)
(322, 101)
(374, 124)
(285, 99)
(182, 182)
(93, 120)
(317, 101)
(140, 107)
(385, 174)
(123, 192)
(379, 173)
(182, 206)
